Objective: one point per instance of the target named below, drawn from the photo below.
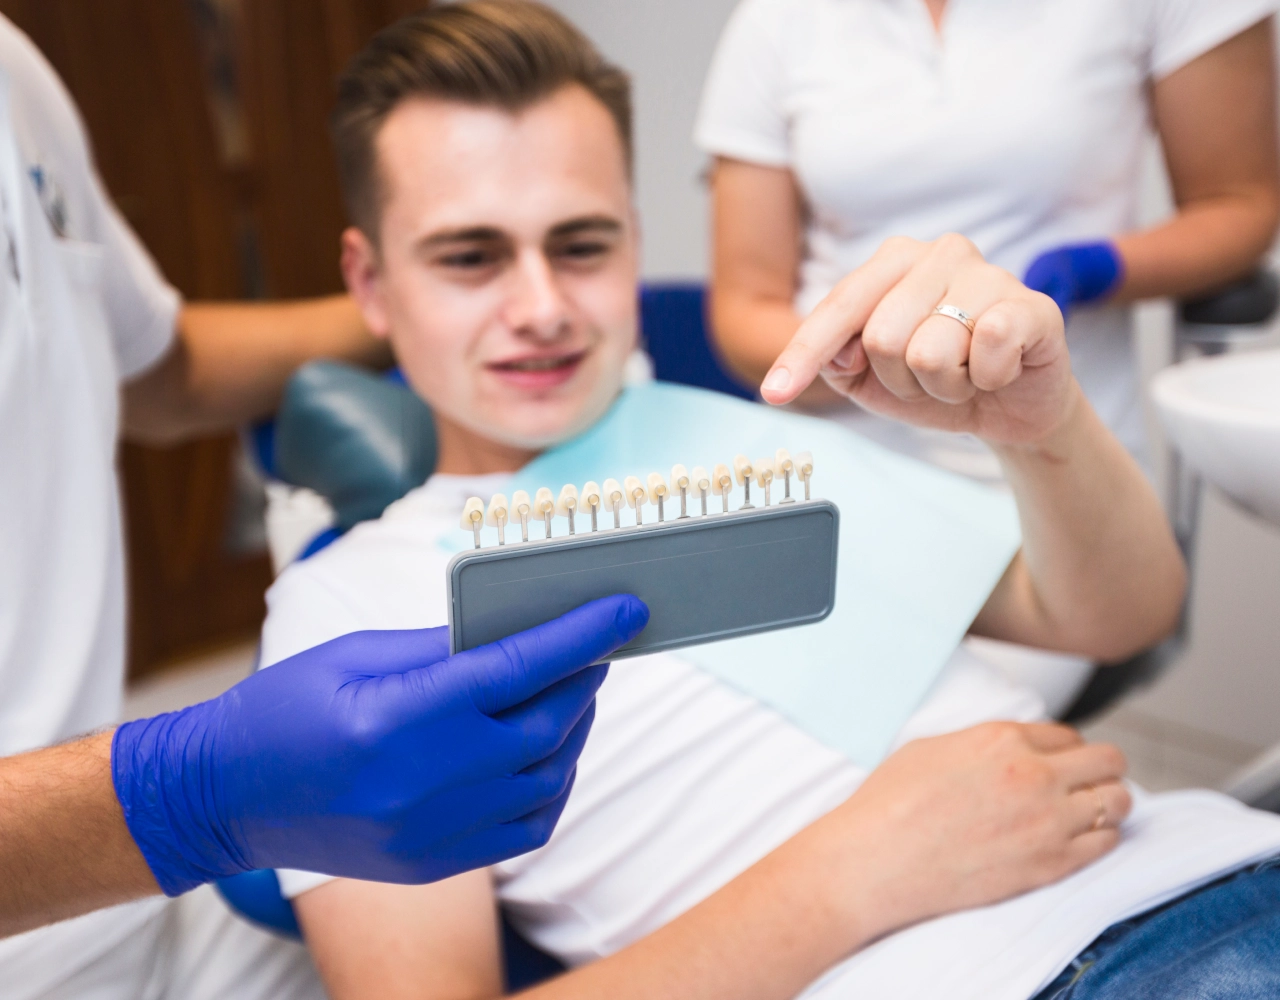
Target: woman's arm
(1099, 572)
(230, 361)
(1217, 122)
(943, 824)
(756, 233)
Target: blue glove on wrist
(376, 756)
(1071, 275)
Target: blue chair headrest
(358, 439)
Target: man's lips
(542, 372)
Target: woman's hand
(965, 820)
(877, 340)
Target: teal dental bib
(920, 551)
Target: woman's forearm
(1099, 571)
(64, 845)
(1206, 245)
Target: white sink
(1223, 416)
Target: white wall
(666, 45)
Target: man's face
(505, 275)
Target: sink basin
(1223, 416)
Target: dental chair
(355, 442)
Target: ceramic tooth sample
(614, 500)
(764, 476)
(636, 494)
(680, 482)
(743, 469)
(658, 492)
(523, 507)
(804, 469)
(544, 506)
(473, 517)
(567, 503)
(497, 516)
(701, 483)
(722, 484)
(785, 467)
(592, 500)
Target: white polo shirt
(1021, 125)
(82, 308)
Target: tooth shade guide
(804, 469)
(764, 476)
(497, 516)
(473, 517)
(520, 503)
(567, 504)
(591, 497)
(658, 493)
(702, 483)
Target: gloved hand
(1071, 275)
(375, 756)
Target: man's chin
(539, 430)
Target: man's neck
(463, 452)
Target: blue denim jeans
(1219, 942)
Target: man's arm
(229, 363)
(1099, 572)
(64, 845)
(943, 824)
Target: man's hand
(877, 340)
(376, 756)
(968, 819)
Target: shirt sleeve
(1183, 30)
(743, 112)
(141, 307)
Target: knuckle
(955, 245)
(878, 339)
(926, 356)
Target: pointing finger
(837, 319)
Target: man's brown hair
(504, 53)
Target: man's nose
(536, 307)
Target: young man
(710, 848)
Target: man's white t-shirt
(685, 782)
(82, 308)
(1021, 125)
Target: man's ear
(362, 270)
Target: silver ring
(957, 314)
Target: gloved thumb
(514, 669)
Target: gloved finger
(837, 319)
(535, 828)
(376, 652)
(546, 780)
(537, 727)
(514, 669)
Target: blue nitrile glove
(1070, 275)
(376, 756)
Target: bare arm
(944, 824)
(1217, 122)
(64, 846)
(230, 361)
(1099, 572)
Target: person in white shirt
(87, 323)
(835, 124)
(710, 847)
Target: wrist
(158, 771)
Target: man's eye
(468, 259)
(584, 249)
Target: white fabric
(1021, 126)
(685, 782)
(82, 308)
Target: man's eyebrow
(467, 234)
(587, 224)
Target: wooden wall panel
(137, 70)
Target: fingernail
(844, 357)
(777, 380)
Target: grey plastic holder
(703, 578)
